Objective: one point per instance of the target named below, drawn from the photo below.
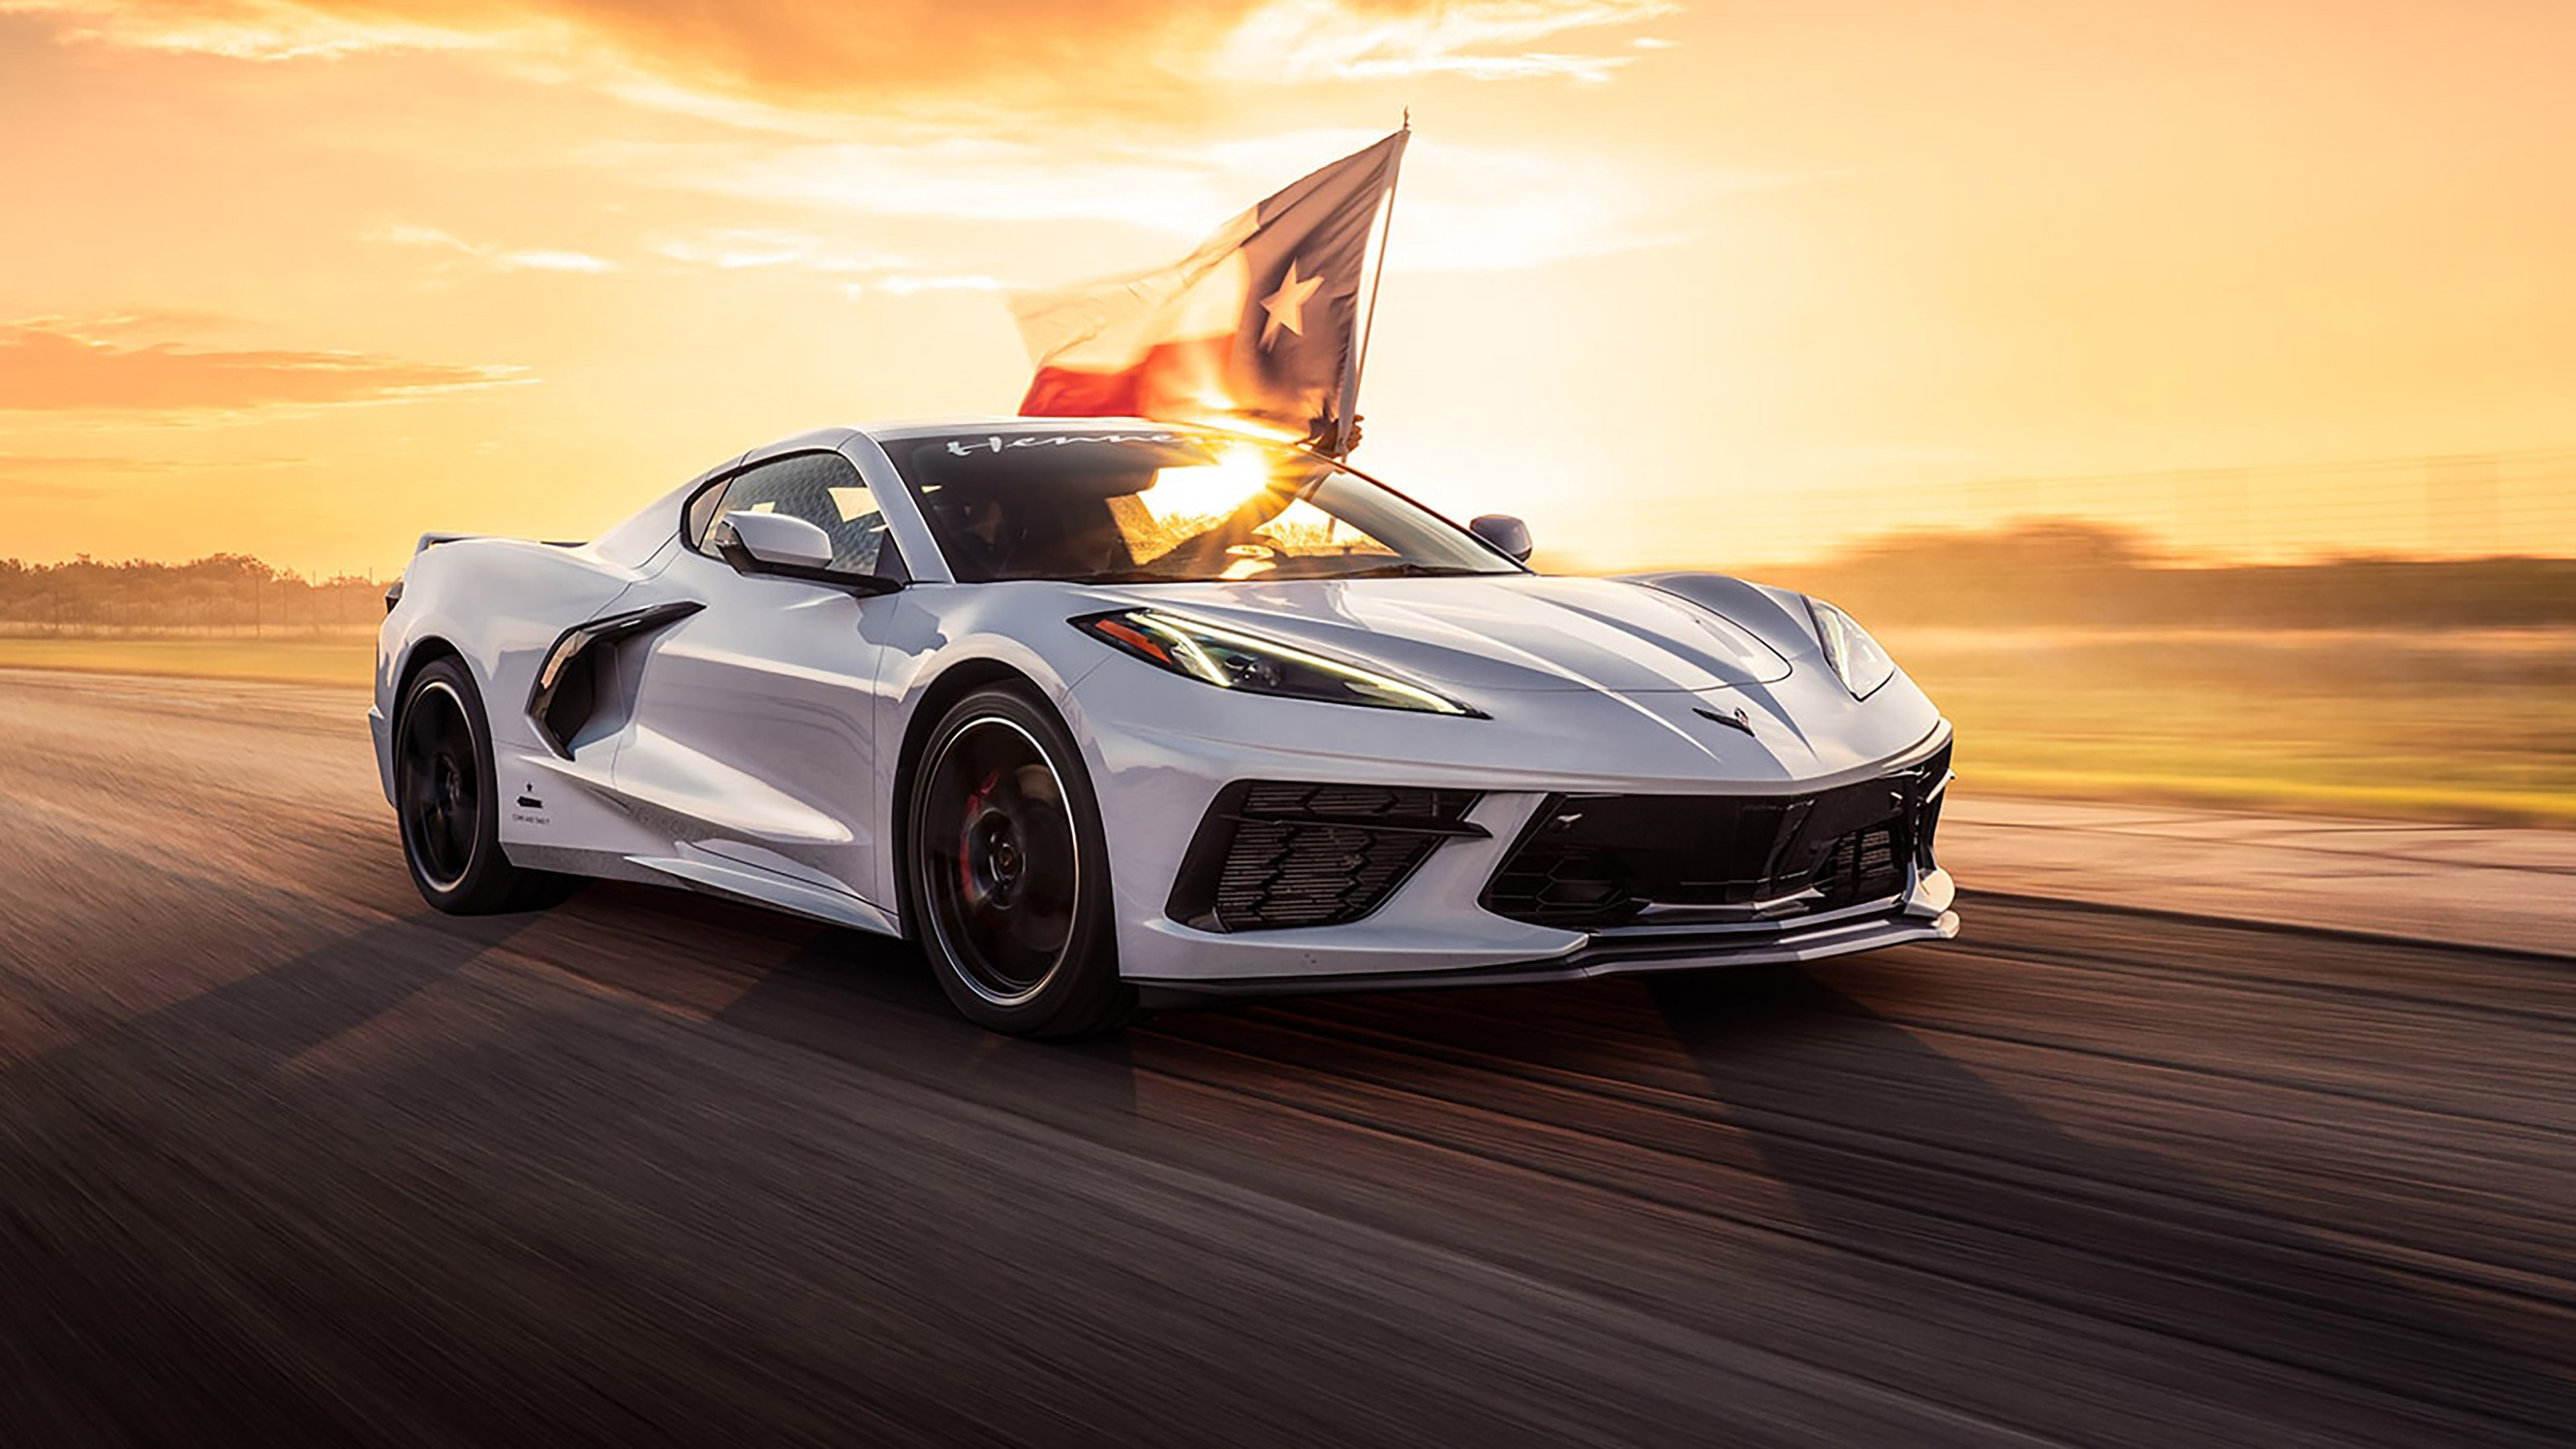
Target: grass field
(2439, 725)
(2443, 725)
(322, 658)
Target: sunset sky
(1709, 281)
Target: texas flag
(1261, 323)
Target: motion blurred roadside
(2081, 658)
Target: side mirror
(784, 546)
(759, 543)
(1507, 534)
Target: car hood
(1499, 632)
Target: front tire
(1009, 872)
(449, 805)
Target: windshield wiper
(1398, 570)
(1134, 576)
(1402, 570)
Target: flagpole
(1343, 443)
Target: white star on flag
(1286, 305)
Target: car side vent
(1276, 854)
(578, 675)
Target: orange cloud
(254, 30)
(1297, 40)
(1021, 53)
(50, 364)
(1470, 208)
(508, 259)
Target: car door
(753, 729)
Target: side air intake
(1276, 854)
(578, 676)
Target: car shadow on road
(232, 1033)
(1925, 1182)
(1951, 1188)
(131, 1193)
(872, 1002)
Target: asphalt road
(286, 1158)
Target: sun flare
(1211, 490)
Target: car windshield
(1138, 507)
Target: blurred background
(2183, 392)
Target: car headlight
(1856, 657)
(1230, 659)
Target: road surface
(285, 1158)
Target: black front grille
(1862, 865)
(1273, 854)
(1594, 861)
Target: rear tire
(1008, 870)
(448, 803)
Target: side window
(821, 488)
(702, 513)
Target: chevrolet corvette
(1113, 715)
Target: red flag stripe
(1171, 377)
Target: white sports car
(1113, 714)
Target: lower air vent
(1592, 862)
(1864, 865)
(1275, 854)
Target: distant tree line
(2085, 574)
(2050, 571)
(225, 593)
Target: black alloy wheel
(445, 797)
(1009, 872)
(442, 804)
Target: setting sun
(1211, 491)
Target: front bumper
(1923, 914)
(1436, 926)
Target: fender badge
(1738, 720)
